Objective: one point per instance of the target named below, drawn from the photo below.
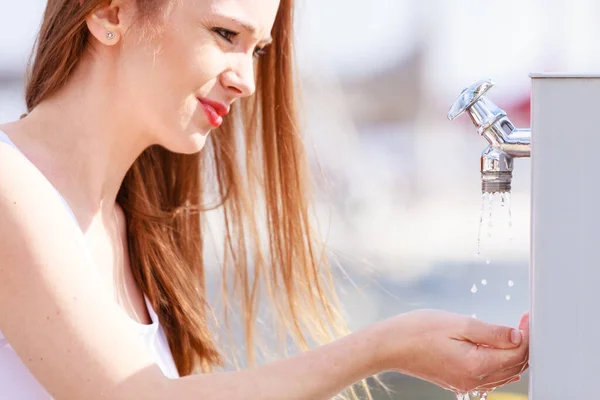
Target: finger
(496, 360)
(499, 361)
(517, 379)
(523, 365)
(524, 323)
(498, 379)
(501, 365)
(491, 385)
(500, 337)
(510, 371)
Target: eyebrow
(251, 29)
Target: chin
(188, 144)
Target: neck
(84, 141)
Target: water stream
(495, 226)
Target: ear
(110, 21)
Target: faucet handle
(468, 97)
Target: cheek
(204, 65)
(148, 80)
(162, 84)
(186, 73)
(190, 62)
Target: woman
(102, 191)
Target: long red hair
(263, 196)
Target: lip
(220, 108)
(214, 111)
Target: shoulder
(48, 285)
(24, 192)
(33, 219)
(13, 164)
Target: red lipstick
(214, 111)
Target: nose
(239, 78)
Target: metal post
(565, 237)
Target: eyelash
(228, 35)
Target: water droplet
(511, 284)
(474, 289)
(484, 282)
(510, 230)
(488, 261)
(474, 316)
(483, 197)
(507, 297)
(490, 220)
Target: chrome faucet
(505, 141)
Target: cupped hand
(456, 352)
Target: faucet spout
(505, 142)
(496, 170)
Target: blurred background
(402, 209)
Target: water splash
(475, 395)
(492, 215)
(474, 289)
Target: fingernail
(516, 337)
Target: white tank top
(16, 382)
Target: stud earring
(110, 35)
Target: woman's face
(181, 83)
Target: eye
(228, 35)
(225, 34)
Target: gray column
(565, 238)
